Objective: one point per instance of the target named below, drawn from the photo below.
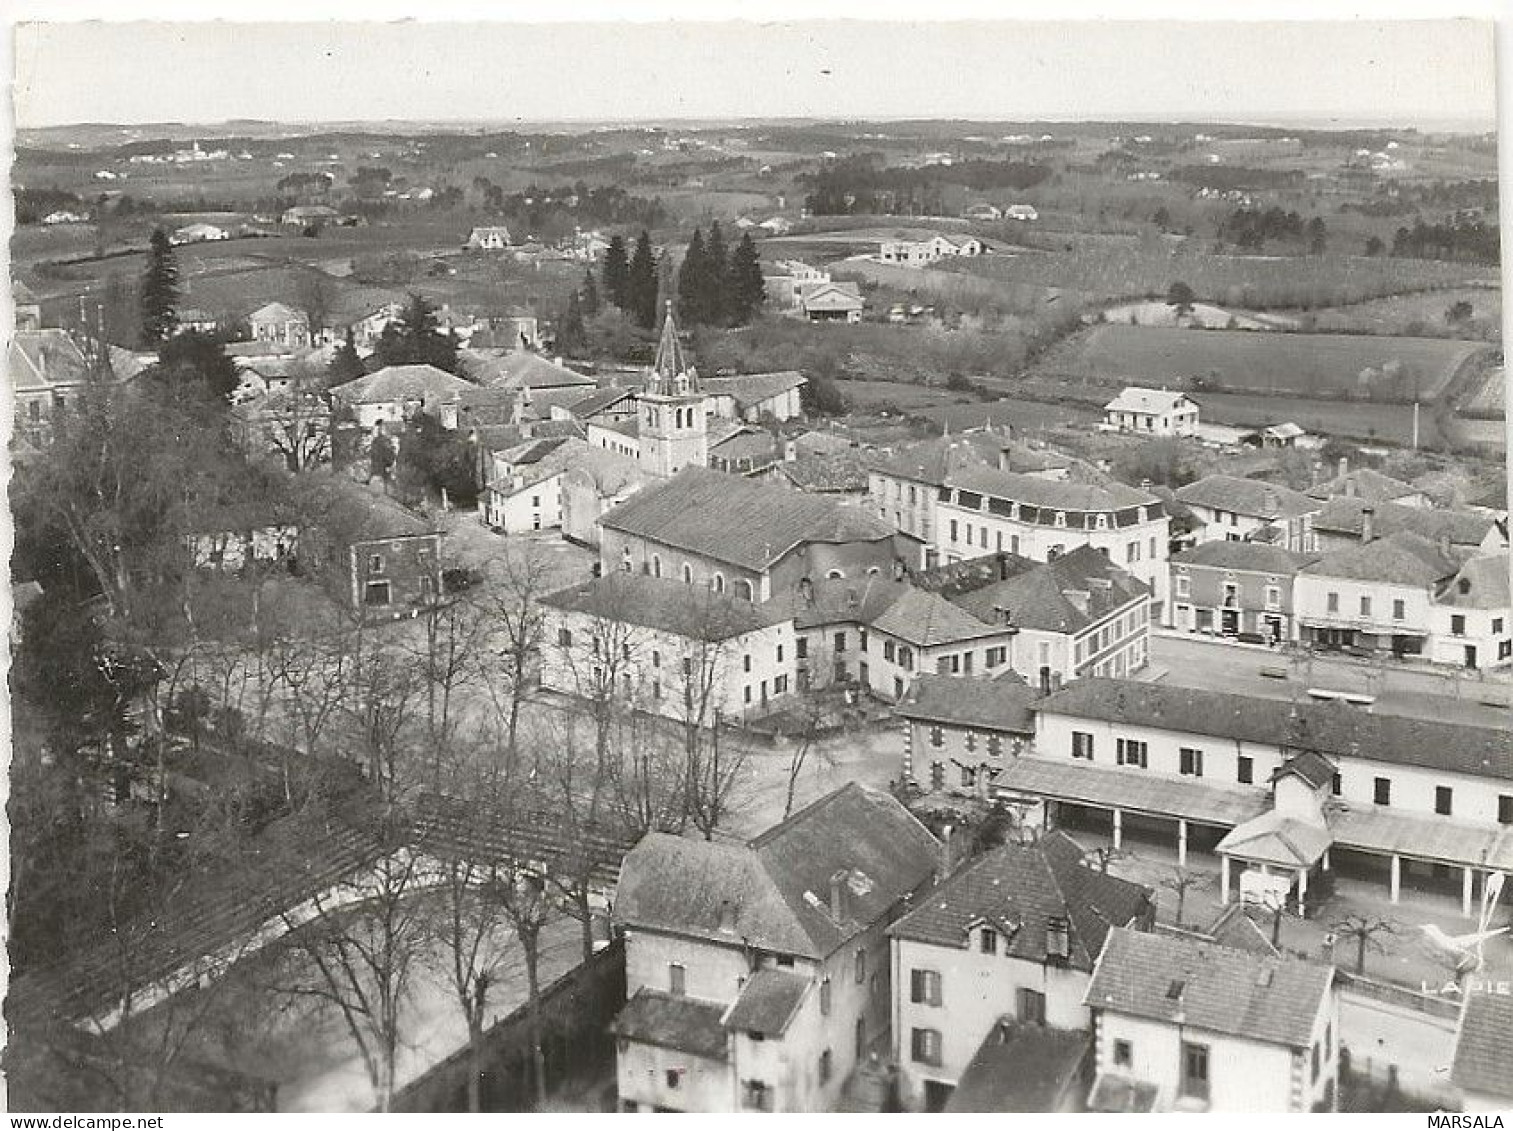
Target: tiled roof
(1022, 1068)
(934, 461)
(1134, 398)
(1345, 516)
(1333, 729)
(739, 521)
(1364, 483)
(1247, 496)
(1083, 491)
(1482, 1042)
(1204, 986)
(1069, 594)
(521, 367)
(1482, 583)
(1027, 886)
(774, 891)
(598, 401)
(844, 471)
(999, 705)
(276, 312)
(750, 389)
(350, 512)
(926, 619)
(767, 1002)
(836, 601)
(403, 382)
(1254, 557)
(1401, 558)
(1311, 766)
(672, 1022)
(663, 605)
(1384, 832)
(41, 359)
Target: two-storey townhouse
(1235, 510)
(1182, 1024)
(375, 555)
(1152, 412)
(902, 485)
(960, 733)
(758, 974)
(522, 487)
(1482, 1039)
(986, 510)
(1078, 614)
(48, 374)
(745, 537)
(1241, 589)
(394, 393)
(657, 645)
(1012, 935)
(1471, 616)
(1376, 595)
(1415, 801)
(281, 324)
(882, 634)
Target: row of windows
(1112, 633)
(1134, 752)
(971, 500)
(1231, 592)
(992, 743)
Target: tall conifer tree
(160, 291)
(641, 283)
(745, 290)
(693, 282)
(616, 273)
(716, 310)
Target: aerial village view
(985, 605)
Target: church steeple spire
(671, 375)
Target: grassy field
(1322, 365)
(1490, 396)
(1374, 423)
(1410, 313)
(1127, 267)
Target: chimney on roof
(1045, 679)
(1344, 467)
(943, 866)
(838, 895)
(1444, 543)
(1349, 487)
(1271, 502)
(1003, 615)
(727, 917)
(1368, 524)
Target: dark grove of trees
(716, 289)
(863, 184)
(1254, 228)
(1462, 239)
(34, 203)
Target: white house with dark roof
(394, 393)
(757, 973)
(1236, 510)
(1185, 1025)
(1013, 934)
(495, 238)
(1152, 412)
(1471, 615)
(1078, 614)
(48, 373)
(1378, 594)
(653, 644)
(1369, 486)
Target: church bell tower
(674, 426)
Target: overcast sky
(1413, 73)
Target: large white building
(1231, 509)
(985, 510)
(657, 645)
